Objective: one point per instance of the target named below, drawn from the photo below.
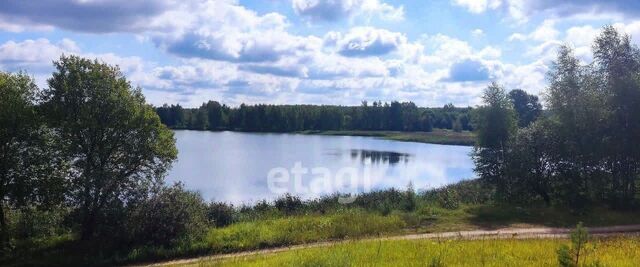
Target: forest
(377, 116)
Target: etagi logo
(323, 181)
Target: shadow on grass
(502, 216)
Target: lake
(240, 167)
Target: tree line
(376, 116)
(584, 151)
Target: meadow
(618, 251)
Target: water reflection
(379, 157)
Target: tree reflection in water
(379, 157)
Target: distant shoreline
(437, 136)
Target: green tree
(527, 106)
(29, 169)
(618, 64)
(574, 255)
(115, 142)
(495, 123)
(576, 105)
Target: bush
(410, 201)
(449, 199)
(29, 223)
(572, 256)
(220, 213)
(471, 192)
(289, 204)
(170, 217)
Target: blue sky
(310, 51)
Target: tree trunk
(88, 225)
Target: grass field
(437, 136)
(618, 251)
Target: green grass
(620, 251)
(437, 136)
(300, 230)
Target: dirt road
(506, 233)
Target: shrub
(29, 222)
(571, 256)
(467, 192)
(220, 214)
(171, 216)
(289, 204)
(410, 201)
(449, 199)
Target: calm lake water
(235, 167)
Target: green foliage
(33, 223)
(220, 213)
(378, 116)
(300, 229)
(411, 200)
(30, 169)
(115, 144)
(527, 106)
(573, 256)
(169, 217)
(288, 204)
(584, 150)
(495, 122)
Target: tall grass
(605, 252)
(301, 229)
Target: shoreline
(437, 136)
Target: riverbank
(437, 136)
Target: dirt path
(506, 233)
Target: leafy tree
(29, 168)
(495, 122)
(618, 64)
(214, 114)
(527, 106)
(116, 145)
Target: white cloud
(334, 10)
(16, 56)
(521, 10)
(478, 6)
(368, 41)
(546, 31)
(477, 33)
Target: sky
(337, 52)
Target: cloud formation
(368, 41)
(522, 10)
(336, 10)
(468, 71)
(96, 16)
